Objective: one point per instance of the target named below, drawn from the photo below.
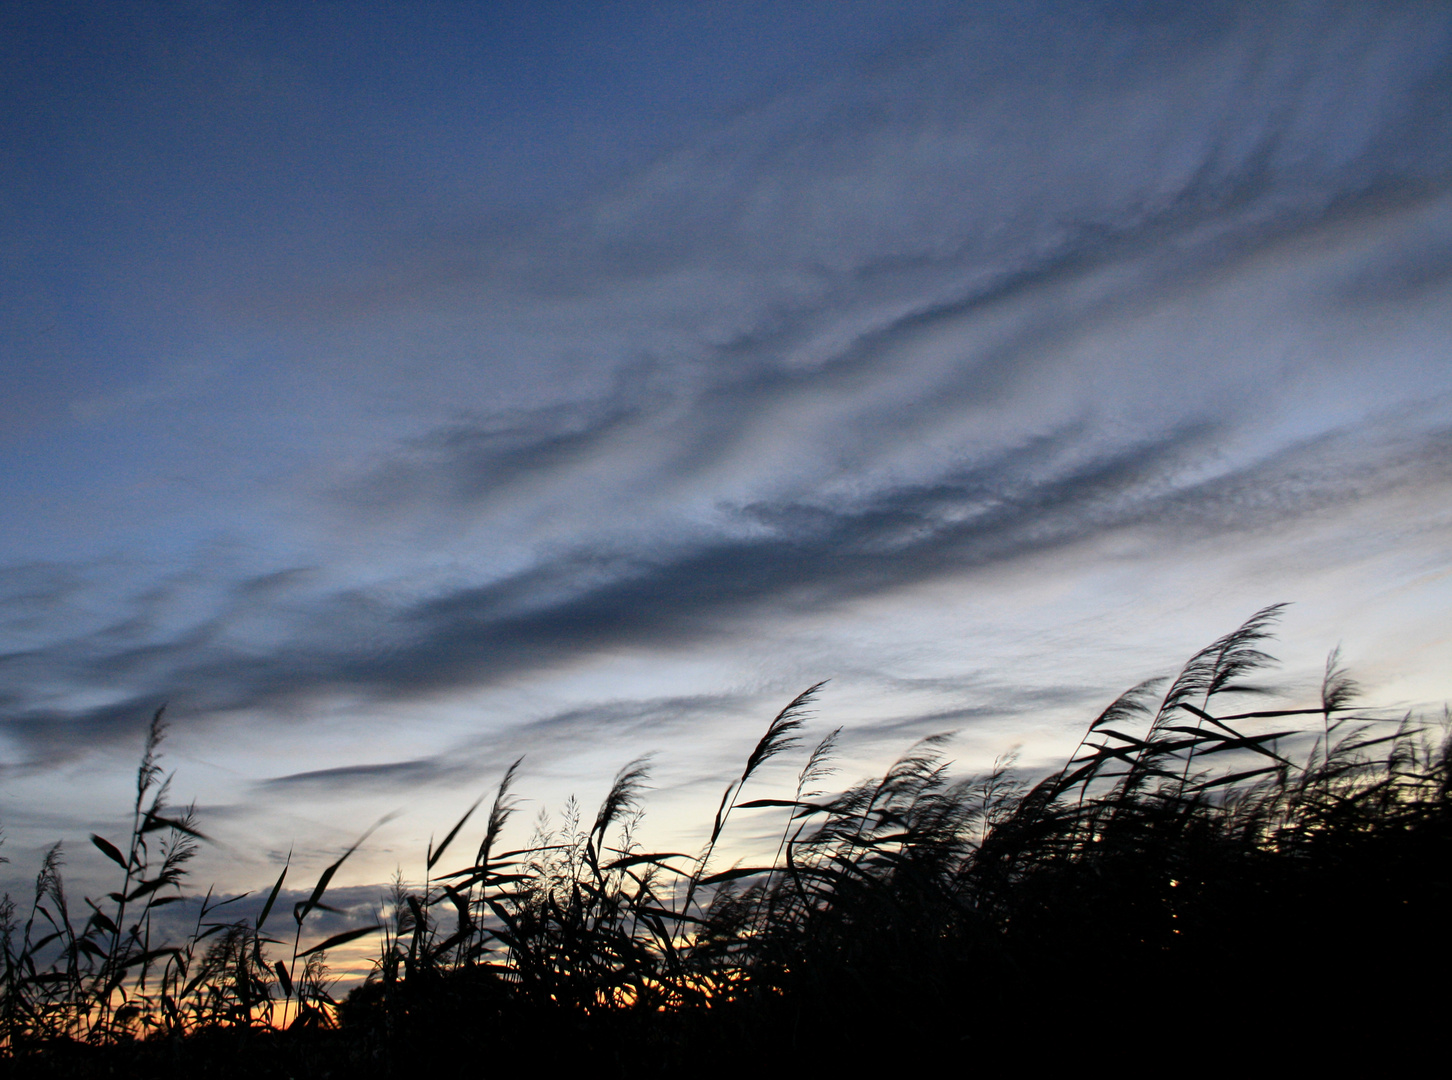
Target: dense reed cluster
(1190, 873)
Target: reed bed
(1192, 874)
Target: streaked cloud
(1018, 286)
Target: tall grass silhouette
(1185, 856)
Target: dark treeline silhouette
(1194, 880)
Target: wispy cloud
(1054, 275)
(1045, 495)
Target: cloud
(883, 331)
(1012, 136)
(1044, 495)
(480, 455)
(1420, 267)
(400, 774)
(861, 265)
(540, 738)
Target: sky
(394, 390)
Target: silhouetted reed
(1184, 857)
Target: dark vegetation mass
(1197, 882)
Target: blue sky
(397, 389)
